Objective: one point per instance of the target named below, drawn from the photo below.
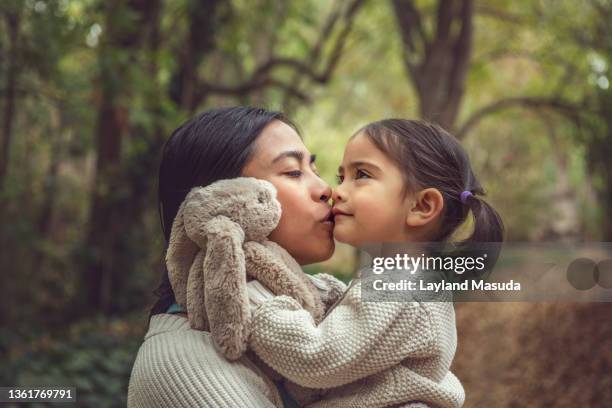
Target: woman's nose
(322, 192)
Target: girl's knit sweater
(364, 354)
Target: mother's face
(281, 158)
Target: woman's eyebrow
(296, 154)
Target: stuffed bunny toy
(218, 241)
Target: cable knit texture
(363, 354)
(179, 367)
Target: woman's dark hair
(212, 146)
(429, 156)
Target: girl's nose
(336, 196)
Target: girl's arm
(329, 287)
(355, 340)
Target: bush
(96, 357)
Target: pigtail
(486, 238)
(488, 225)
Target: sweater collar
(163, 322)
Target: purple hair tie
(465, 195)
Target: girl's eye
(295, 173)
(361, 174)
(339, 178)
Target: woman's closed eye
(294, 173)
(339, 178)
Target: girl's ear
(424, 207)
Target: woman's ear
(424, 207)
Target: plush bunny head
(218, 238)
(249, 202)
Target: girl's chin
(343, 235)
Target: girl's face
(369, 202)
(305, 229)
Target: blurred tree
(599, 142)
(11, 14)
(437, 60)
(124, 38)
(205, 17)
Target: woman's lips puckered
(328, 219)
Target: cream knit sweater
(365, 354)
(177, 366)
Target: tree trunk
(599, 151)
(50, 187)
(204, 16)
(112, 125)
(12, 20)
(140, 167)
(437, 66)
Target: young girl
(400, 181)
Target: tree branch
(502, 15)
(462, 50)
(336, 52)
(409, 20)
(410, 26)
(444, 19)
(260, 77)
(247, 87)
(567, 109)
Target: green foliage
(95, 357)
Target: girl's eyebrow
(358, 164)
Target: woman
(177, 366)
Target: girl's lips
(337, 212)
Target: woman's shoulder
(169, 324)
(172, 344)
(179, 363)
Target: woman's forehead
(276, 138)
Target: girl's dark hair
(212, 146)
(431, 157)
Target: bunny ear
(196, 307)
(196, 213)
(226, 297)
(179, 258)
